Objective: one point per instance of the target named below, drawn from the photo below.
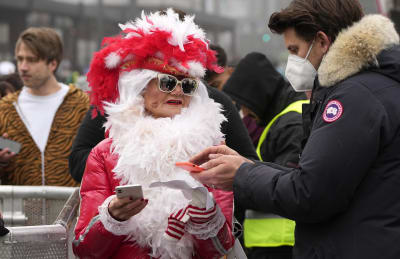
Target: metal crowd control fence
(41, 220)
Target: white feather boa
(148, 149)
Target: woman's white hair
(131, 86)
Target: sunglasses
(168, 83)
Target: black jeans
(280, 252)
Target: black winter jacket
(91, 132)
(345, 197)
(256, 84)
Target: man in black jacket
(91, 132)
(345, 195)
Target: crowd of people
(304, 165)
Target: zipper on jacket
(24, 120)
(43, 184)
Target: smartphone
(13, 146)
(133, 191)
(189, 167)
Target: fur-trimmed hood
(357, 48)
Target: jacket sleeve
(92, 240)
(236, 134)
(219, 243)
(3, 129)
(90, 133)
(335, 160)
(283, 142)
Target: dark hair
(221, 55)
(44, 42)
(176, 10)
(221, 61)
(13, 79)
(5, 88)
(307, 17)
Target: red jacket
(92, 240)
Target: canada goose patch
(333, 111)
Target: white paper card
(186, 189)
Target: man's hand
(221, 164)
(5, 154)
(204, 155)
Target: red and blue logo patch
(333, 111)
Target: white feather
(112, 60)
(196, 69)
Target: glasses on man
(167, 84)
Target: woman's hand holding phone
(122, 209)
(128, 202)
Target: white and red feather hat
(157, 41)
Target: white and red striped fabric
(176, 224)
(201, 215)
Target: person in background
(8, 84)
(3, 230)
(147, 81)
(13, 79)
(5, 88)
(262, 93)
(218, 80)
(44, 116)
(272, 111)
(344, 196)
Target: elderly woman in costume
(158, 112)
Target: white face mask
(300, 72)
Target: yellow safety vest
(267, 229)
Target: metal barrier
(46, 241)
(32, 205)
(40, 241)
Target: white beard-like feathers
(148, 149)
